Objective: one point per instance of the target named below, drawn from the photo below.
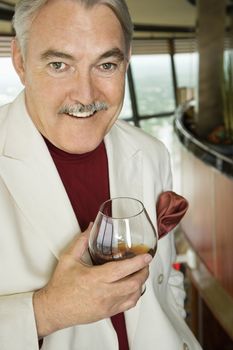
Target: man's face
(75, 56)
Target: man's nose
(83, 88)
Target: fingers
(118, 270)
(129, 290)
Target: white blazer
(37, 222)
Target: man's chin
(80, 147)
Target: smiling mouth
(83, 111)
(83, 115)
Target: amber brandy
(103, 255)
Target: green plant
(228, 93)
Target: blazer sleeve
(17, 323)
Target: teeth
(81, 115)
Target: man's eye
(108, 67)
(58, 66)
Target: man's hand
(78, 293)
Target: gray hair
(27, 10)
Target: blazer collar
(125, 162)
(20, 132)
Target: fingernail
(148, 258)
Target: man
(62, 154)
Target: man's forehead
(78, 5)
(77, 16)
(61, 32)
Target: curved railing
(204, 151)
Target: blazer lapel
(125, 174)
(33, 181)
(125, 164)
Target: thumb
(80, 244)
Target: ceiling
(163, 12)
(180, 13)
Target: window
(186, 69)
(153, 84)
(10, 84)
(187, 75)
(126, 112)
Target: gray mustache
(80, 108)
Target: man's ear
(17, 60)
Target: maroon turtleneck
(85, 178)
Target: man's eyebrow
(49, 54)
(115, 52)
